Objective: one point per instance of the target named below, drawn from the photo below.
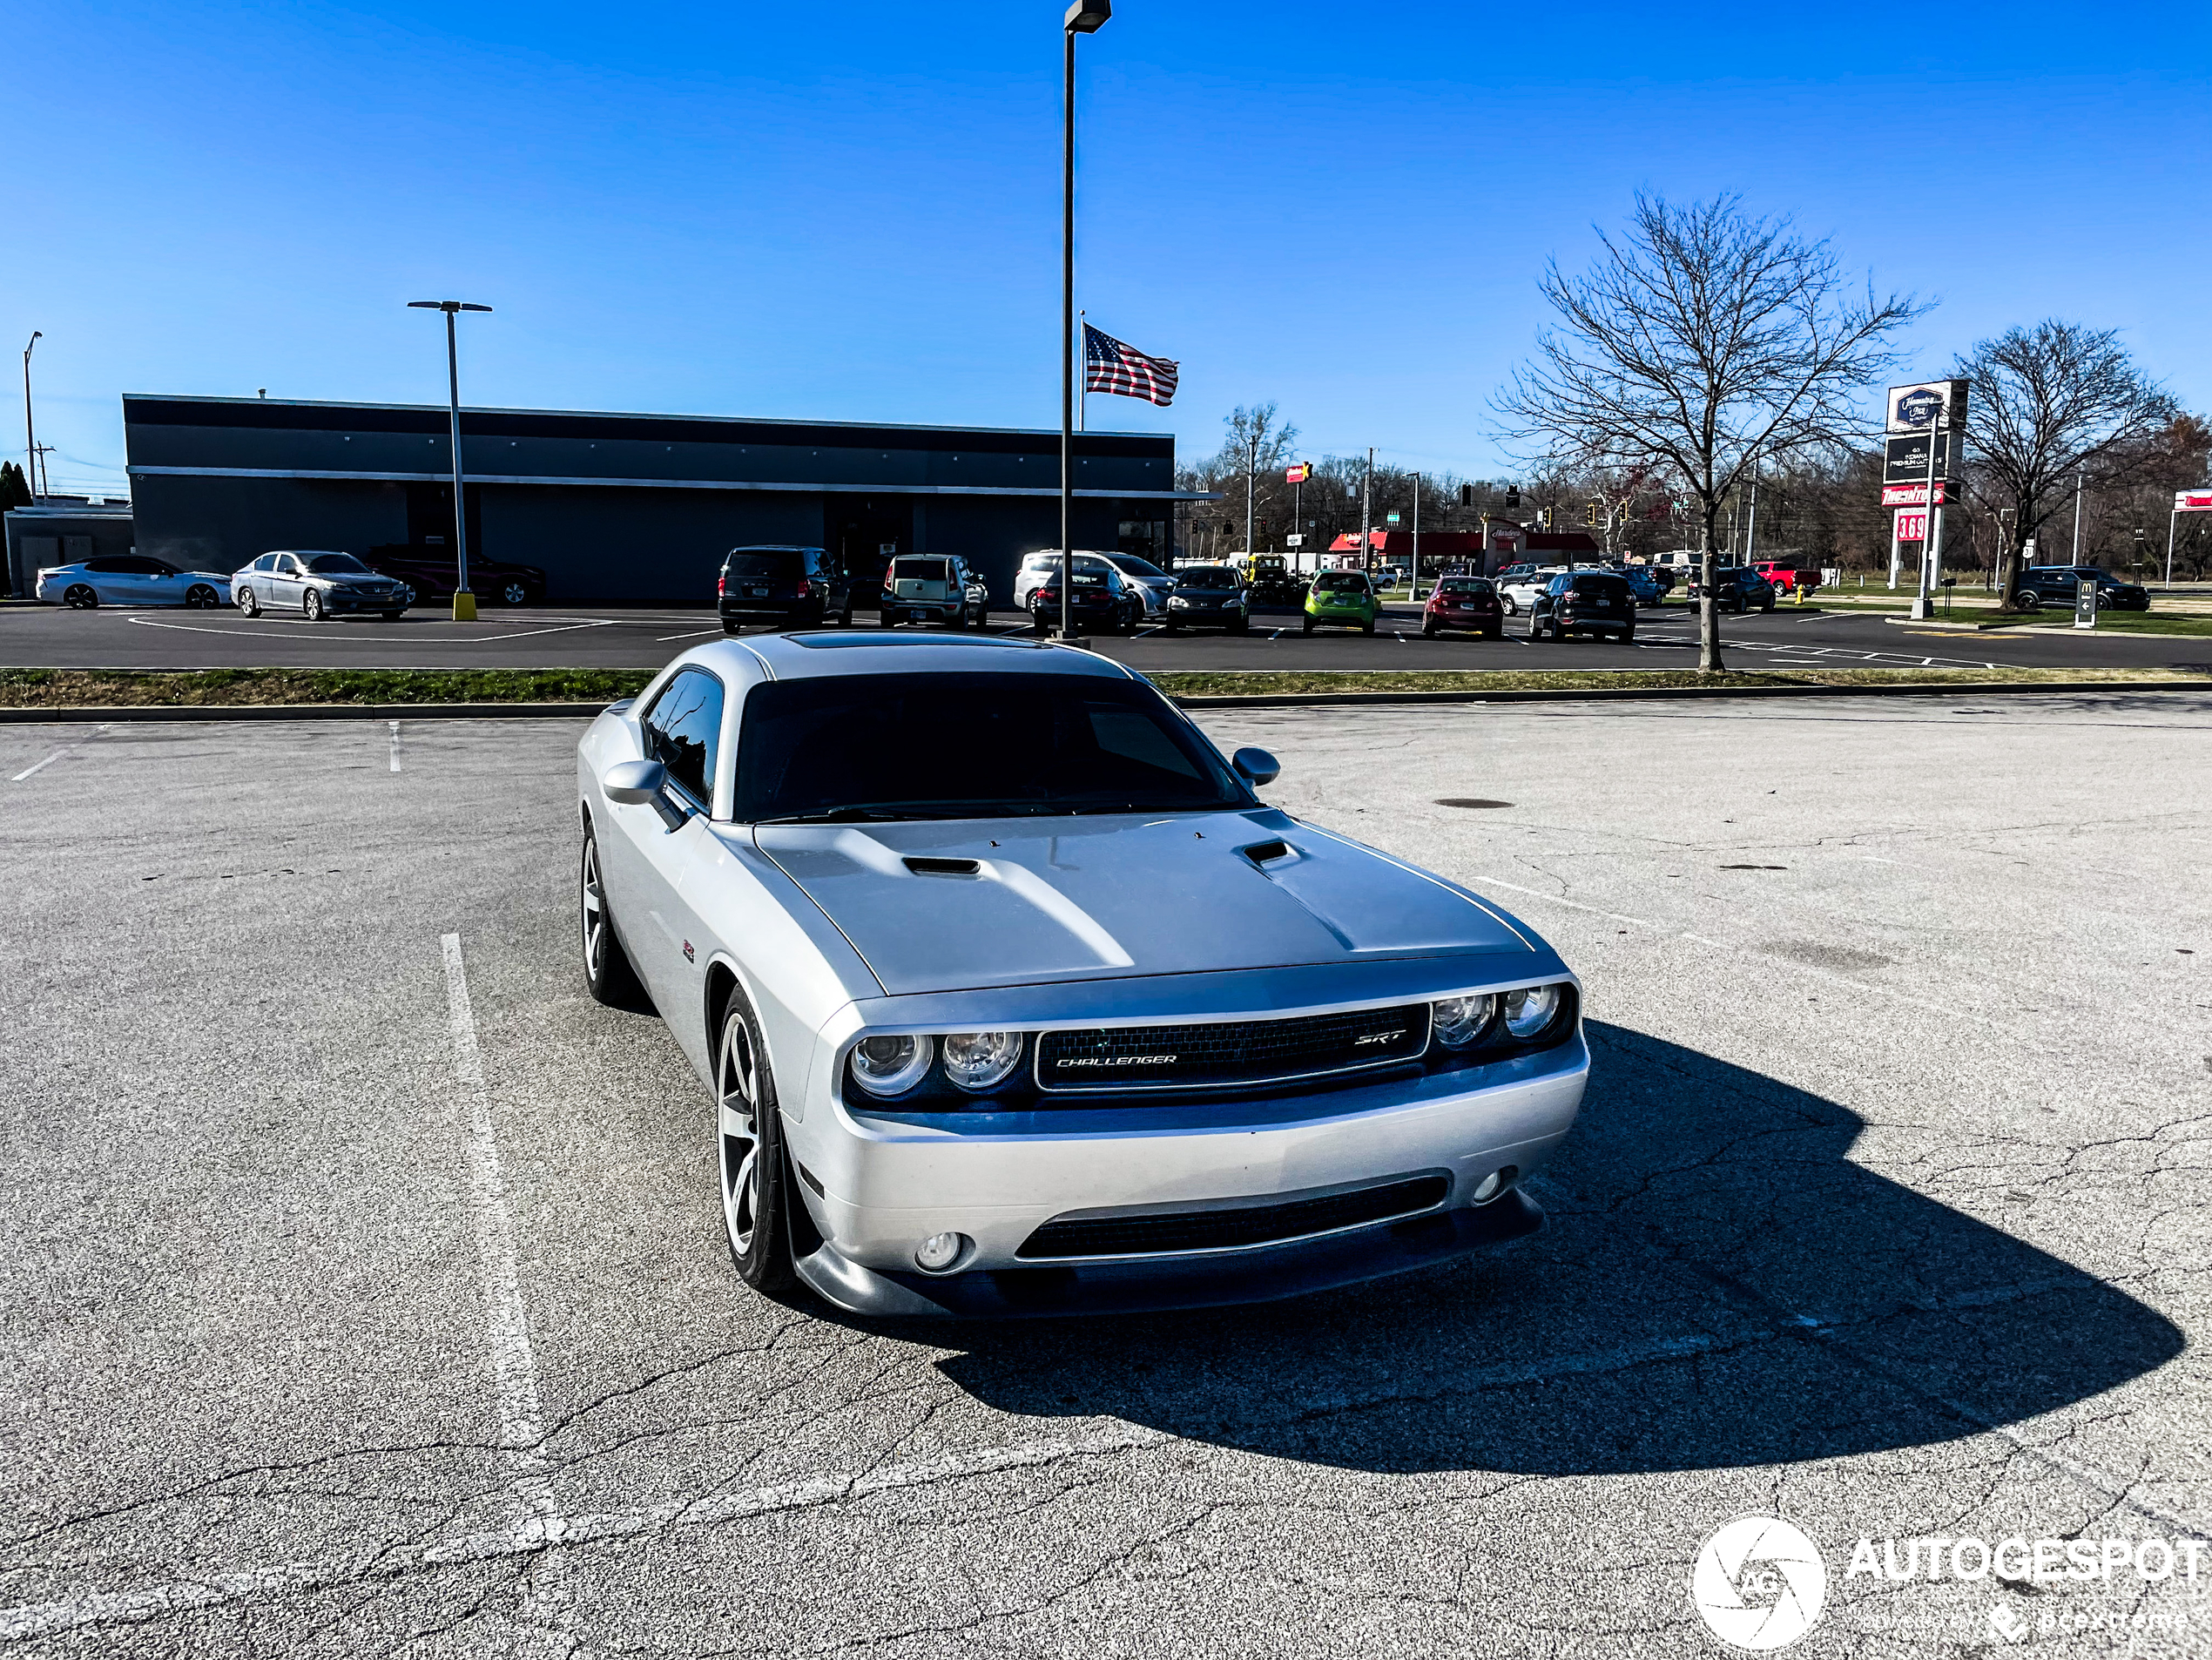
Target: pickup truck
(1785, 577)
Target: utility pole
(1251, 482)
(2080, 482)
(1367, 515)
(1417, 533)
(29, 436)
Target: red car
(1787, 579)
(429, 569)
(1464, 601)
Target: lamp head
(447, 306)
(1085, 16)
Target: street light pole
(1367, 514)
(1084, 18)
(29, 436)
(464, 603)
(2080, 477)
(1251, 483)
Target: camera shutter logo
(1759, 1584)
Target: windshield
(1129, 561)
(918, 569)
(1206, 577)
(875, 747)
(338, 564)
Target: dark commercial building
(619, 508)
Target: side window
(287, 566)
(108, 566)
(266, 562)
(683, 732)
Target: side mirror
(634, 783)
(1256, 766)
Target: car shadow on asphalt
(1719, 1285)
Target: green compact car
(1342, 600)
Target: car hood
(944, 906)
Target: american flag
(1111, 365)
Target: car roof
(804, 654)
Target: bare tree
(1257, 441)
(2044, 403)
(1702, 337)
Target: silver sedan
(1012, 997)
(130, 579)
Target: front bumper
(876, 1183)
(337, 603)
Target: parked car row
(315, 583)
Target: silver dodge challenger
(1013, 998)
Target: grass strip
(1293, 683)
(109, 688)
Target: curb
(15, 717)
(1627, 694)
(216, 711)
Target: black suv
(790, 587)
(1584, 602)
(1736, 588)
(2042, 585)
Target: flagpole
(1082, 386)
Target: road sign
(1390, 518)
(1905, 460)
(1948, 495)
(1912, 524)
(1915, 408)
(1297, 473)
(1297, 541)
(2192, 501)
(2085, 602)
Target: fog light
(1485, 1190)
(941, 1251)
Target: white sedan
(1063, 1018)
(130, 579)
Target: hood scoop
(944, 866)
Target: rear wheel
(512, 593)
(1308, 625)
(1428, 630)
(883, 619)
(80, 598)
(729, 626)
(751, 1154)
(1367, 627)
(957, 620)
(607, 972)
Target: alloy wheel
(737, 1089)
(514, 594)
(594, 910)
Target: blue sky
(851, 210)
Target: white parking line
(65, 751)
(396, 746)
(521, 1413)
(383, 638)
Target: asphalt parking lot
(114, 637)
(367, 1294)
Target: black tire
(957, 621)
(1308, 625)
(513, 592)
(1242, 625)
(607, 974)
(80, 598)
(1169, 626)
(1367, 628)
(749, 1148)
(311, 605)
(883, 620)
(2028, 600)
(1629, 635)
(730, 625)
(844, 617)
(394, 616)
(248, 604)
(201, 597)
(1768, 607)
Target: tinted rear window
(1599, 587)
(1330, 581)
(764, 561)
(1467, 585)
(918, 569)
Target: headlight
(978, 1060)
(1175, 600)
(1459, 1021)
(889, 1065)
(1530, 1009)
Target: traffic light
(1544, 517)
(1589, 515)
(1466, 495)
(1512, 496)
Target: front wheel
(81, 599)
(751, 1154)
(247, 604)
(394, 616)
(202, 599)
(514, 593)
(2028, 600)
(1428, 630)
(1242, 625)
(311, 604)
(1367, 627)
(607, 974)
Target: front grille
(1255, 1225)
(1229, 1054)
